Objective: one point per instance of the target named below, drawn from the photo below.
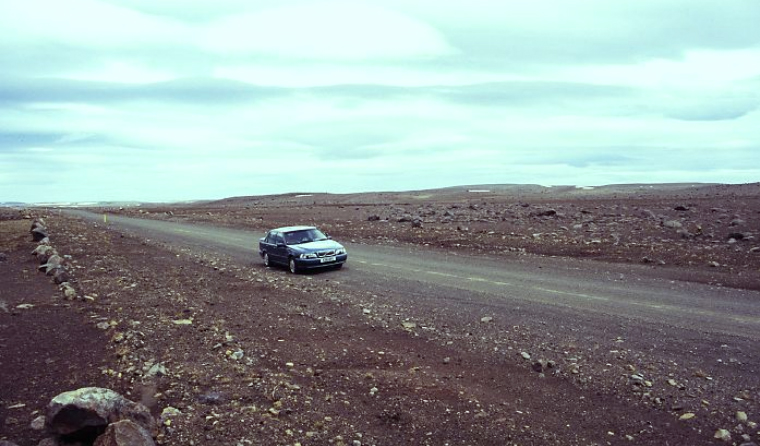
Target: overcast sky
(162, 100)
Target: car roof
(293, 228)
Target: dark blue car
(301, 248)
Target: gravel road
(553, 284)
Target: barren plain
(369, 356)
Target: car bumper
(317, 263)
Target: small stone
(446, 360)
(723, 435)
(38, 424)
(672, 382)
(673, 224)
(182, 322)
(525, 355)
(168, 413)
(687, 416)
(486, 319)
(741, 416)
(25, 306)
(68, 291)
(409, 325)
(366, 311)
(156, 370)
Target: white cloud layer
(169, 100)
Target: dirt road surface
(448, 278)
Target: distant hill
(517, 192)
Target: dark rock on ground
(125, 433)
(93, 407)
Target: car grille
(329, 253)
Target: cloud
(340, 30)
(84, 23)
(138, 99)
(552, 32)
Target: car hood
(321, 245)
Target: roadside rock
(60, 276)
(94, 407)
(125, 433)
(68, 291)
(55, 261)
(39, 233)
(43, 253)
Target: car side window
(269, 238)
(278, 239)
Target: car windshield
(304, 236)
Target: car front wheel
(267, 263)
(292, 265)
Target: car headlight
(308, 256)
(340, 251)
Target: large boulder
(125, 433)
(92, 408)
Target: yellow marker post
(105, 218)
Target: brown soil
(271, 358)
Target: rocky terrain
(706, 233)
(227, 353)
